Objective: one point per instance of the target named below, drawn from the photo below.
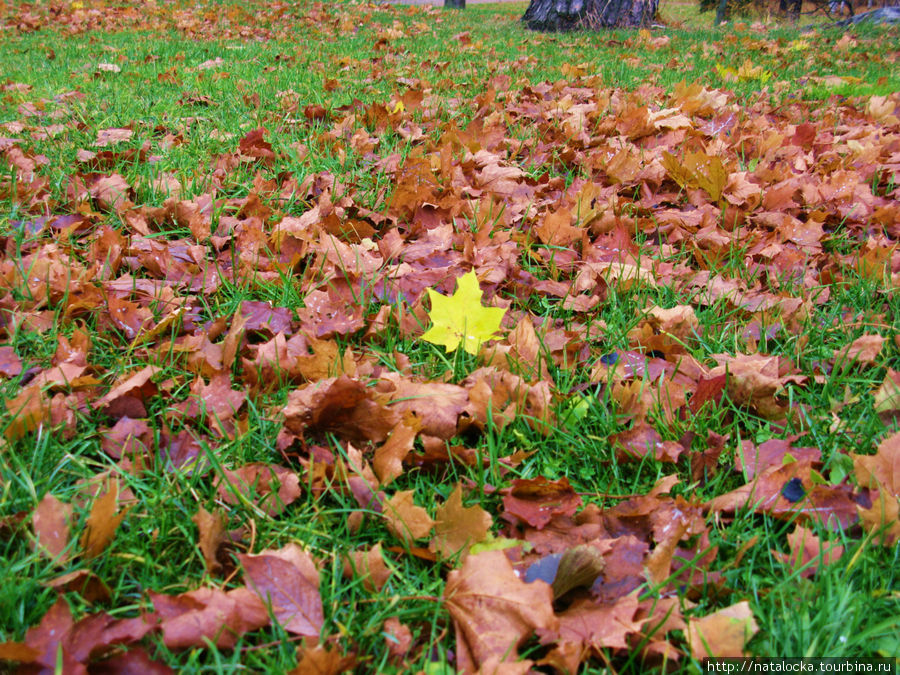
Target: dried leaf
(388, 462)
(287, 581)
(208, 614)
(404, 519)
(269, 486)
(368, 566)
(211, 527)
(51, 521)
(102, 522)
(457, 528)
(807, 551)
(722, 634)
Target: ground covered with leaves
(377, 338)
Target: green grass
(849, 608)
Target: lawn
(653, 418)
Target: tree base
(566, 15)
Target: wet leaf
(493, 611)
(457, 527)
(51, 521)
(287, 581)
(404, 519)
(102, 522)
(722, 634)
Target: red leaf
(270, 486)
(288, 581)
(536, 501)
(51, 520)
(10, 364)
(190, 619)
(493, 610)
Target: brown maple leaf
(51, 521)
(287, 581)
(807, 551)
(597, 625)
(343, 406)
(494, 611)
(269, 486)
(102, 522)
(404, 519)
(208, 614)
(723, 633)
(458, 528)
(368, 566)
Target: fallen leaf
(863, 350)
(287, 581)
(211, 528)
(493, 611)
(807, 552)
(404, 519)
(398, 637)
(10, 364)
(51, 521)
(83, 582)
(102, 522)
(597, 626)
(343, 406)
(722, 634)
(460, 318)
(457, 528)
(323, 659)
(388, 461)
(269, 486)
(369, 567)
(887, 396)
(205, 615)
(536, 501)
(28, 410)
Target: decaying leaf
(404, 519)
(723, 633)
(51, 521)
(493, 611)
(102, 522)
(457, 528)
(287, 581)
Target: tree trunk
(721, 11)
(562, 15)
(454, 4)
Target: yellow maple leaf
(460, 318)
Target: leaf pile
(600, 241)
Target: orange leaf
(102, 522)
(287, 581)
(494, 611)
(722, 634)
(51, 521)
(457, 528)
